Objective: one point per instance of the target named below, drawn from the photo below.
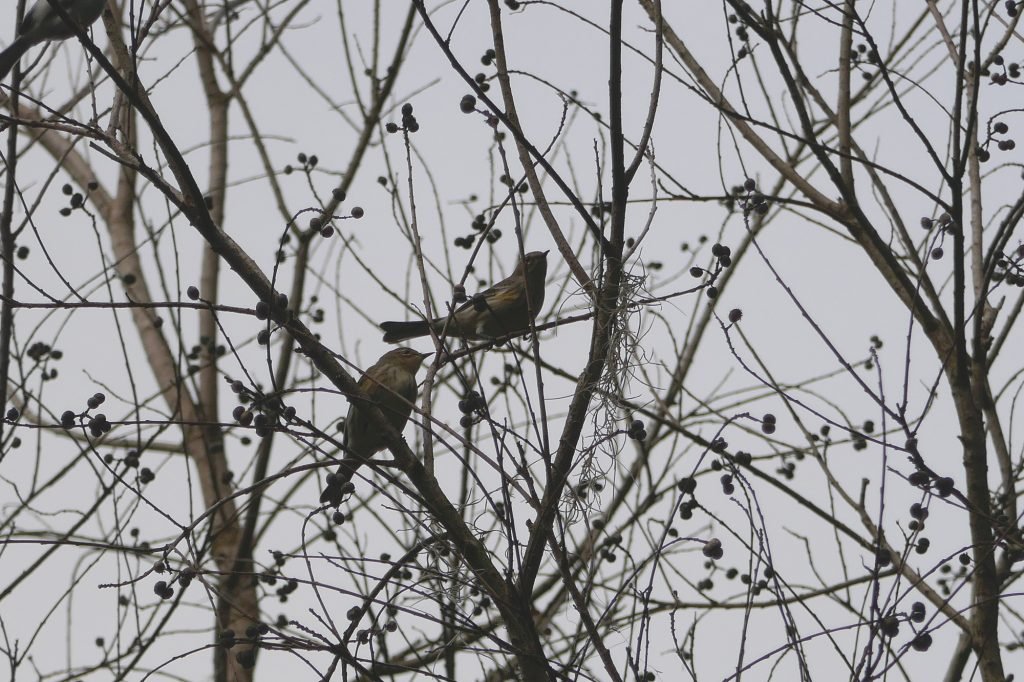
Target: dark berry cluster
(636, 430)
(186, 576)
(98, 425)
(607, 551)
(257, 630)
(347, 488)
(131, 461)
(481, 78)
(1003, 73)
(355, 613)
(226, 638)
(997, 132)
(722, 254)
(741, 30)
(1010, 268)
(922, 642)
(277, 310)
(723, 259)
(713, 549)
(943, 486)
(308, 163)
(285, 590)
(409, 122)
(889, 626)
(862, 53)
(506, 180)
(787, 470)
(480, 225)
(918, 513)
(163, 590)
(39, 350)
(207, 346)
(270, 577)
(316, 313)
(751, 200)
(317, 224)
(687, 486)
(459, 294)
(265, 310)
(266, 413)
(77, 199)
(949, 580)
(472, 406)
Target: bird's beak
(426, 355)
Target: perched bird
(391, 386)
(43, 23)
(505, 308)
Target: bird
(390, 384)
(43, 23)
(506, 308)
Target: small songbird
(43, 23)
(506, 308)
(391, 386)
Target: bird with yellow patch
(390, 386)
(509, 307)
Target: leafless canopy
(763, 427)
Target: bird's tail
(11, 56)
(394, 332)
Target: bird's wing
(487, 294)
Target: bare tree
(779, 345)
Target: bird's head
(407, 357)
(535, 263)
